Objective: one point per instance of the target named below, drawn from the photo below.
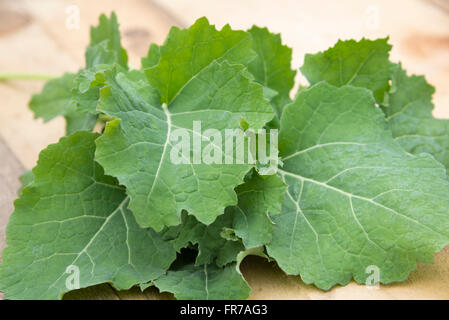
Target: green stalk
(25, 76)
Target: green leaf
(361, 63)
(211, 244)
(87, 85)
(73, 217)
(136, 148)
(272, 67)
(186, 52)
(355, 198)
(258, 198)
(105, 44)
(76, 96)
(409, 115)
(247, 222)
(56, 100)
(207, 282)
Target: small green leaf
(248, 222)
(105, 44)
(207, 282)
(56, 100)
(361, 63)
(104, 53)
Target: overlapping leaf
(186, 52)
(355, 198)
(104, 52)
(258, 198)
(243, 226)
(272, 66)
(137, 148)
(105, 44)
(409, 115)
(56, 100)
(361, 63)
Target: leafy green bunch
(361, 179)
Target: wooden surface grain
(34, 38)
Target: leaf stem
(25, 76)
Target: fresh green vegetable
(360, 180)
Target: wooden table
(34, 38)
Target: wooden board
(34, 38)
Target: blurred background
(50, 36)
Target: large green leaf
(87, 85)
(72, 217)
(361, 63)
(355, 199)
(136, 148)
(409, 114)
(207, 282)
(186, 52)
(55, 98)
